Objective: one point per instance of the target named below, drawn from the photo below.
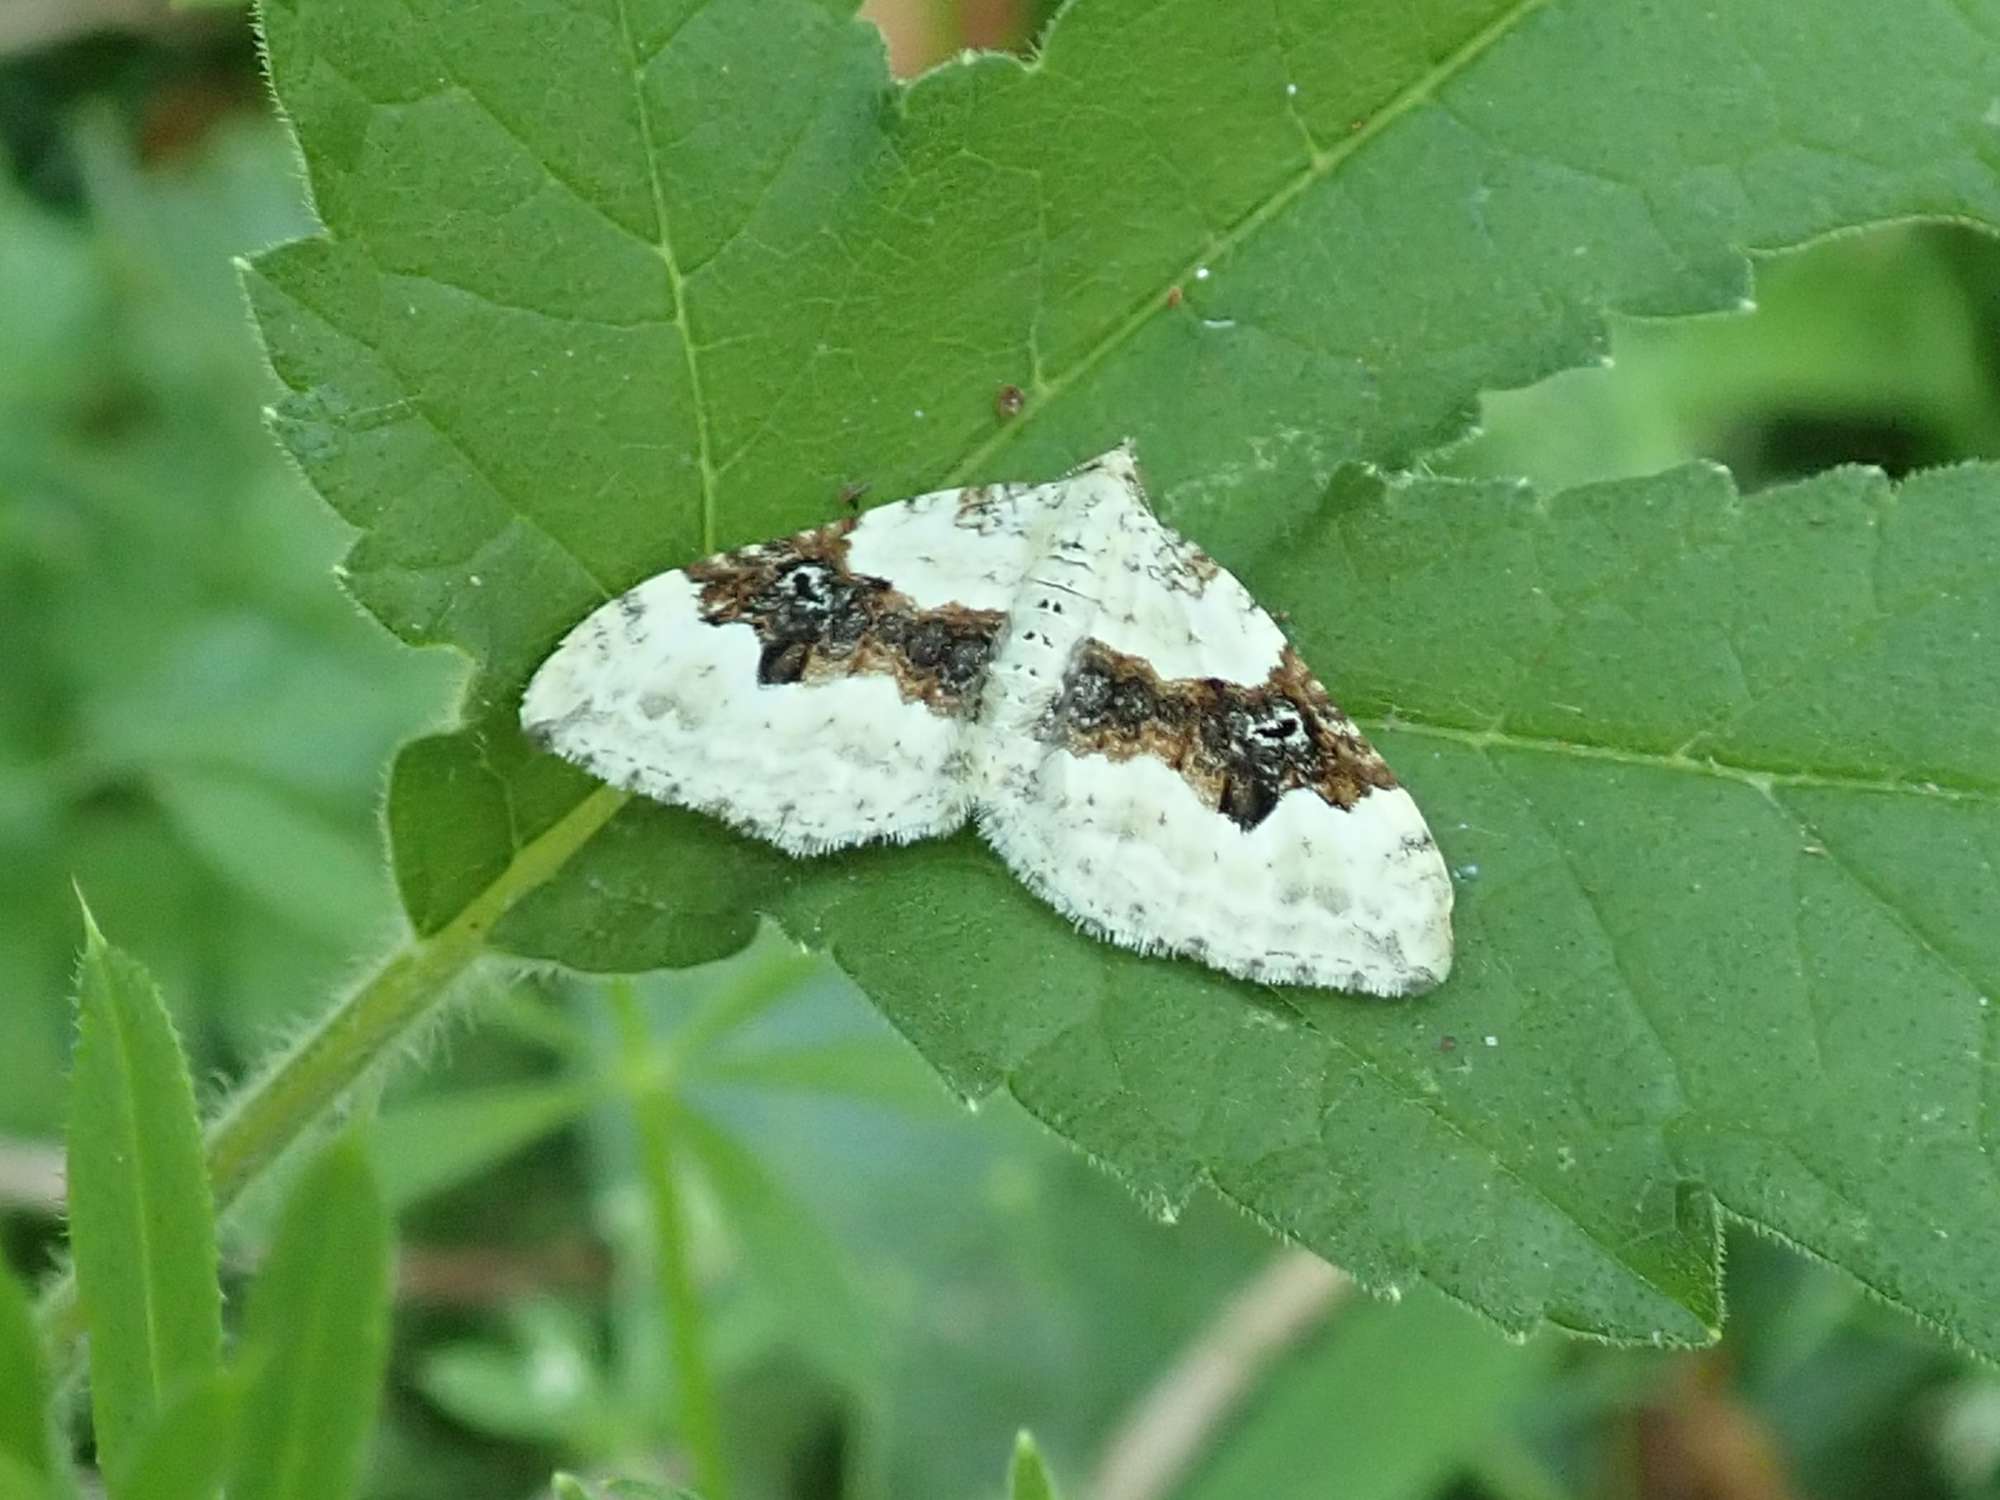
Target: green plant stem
(653, 1108)
(365, 1026)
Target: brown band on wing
(1240, 748)
(819, 620)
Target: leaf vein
(682, 318)
(1588, 892)
(1831, 649)
(503, 125)
(1960, 969)
(501, 304)
(1759, 778)
(507, 501)
(1148, 305)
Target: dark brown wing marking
(1240, 748)
(818, 620)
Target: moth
(1125, 725)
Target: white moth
(1130, 730)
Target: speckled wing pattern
(1131, 731)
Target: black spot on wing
(1240, 747)
(816, 620)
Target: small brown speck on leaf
(851, 493)
(1010, 402)
(1175, 296)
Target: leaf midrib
(151, 1272)
(1321, 162)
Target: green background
(196, 724)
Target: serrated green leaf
(1027, 1476)
(318, 1336)
(1778, 1005)
(141, 1221)
(543, 351)
(25, 1450)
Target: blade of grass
(360, 1030)
(652, 1108)
(773, 977)
(785, 1249)
(142, 1224)
(318, 1336)
(1027, 1476)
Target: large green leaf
(604, 286)
(141, 1222)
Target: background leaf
(189, 706)
(142, 1227)
(184, 1453)
(569, 1487)
(785, 1251)
(1875, 346)
(317, 1337)
(1027, 1477)
(1344, 1418)
(25, 1452)
(663, 281)
(18, 1482)
(436, 1143)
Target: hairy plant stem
(654, 1108)
(275, 1109)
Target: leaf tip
(1027, 1476)
(95, 945)
(93, 935)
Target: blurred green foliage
(195, 721)
(193, 727)
(1879, 348)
